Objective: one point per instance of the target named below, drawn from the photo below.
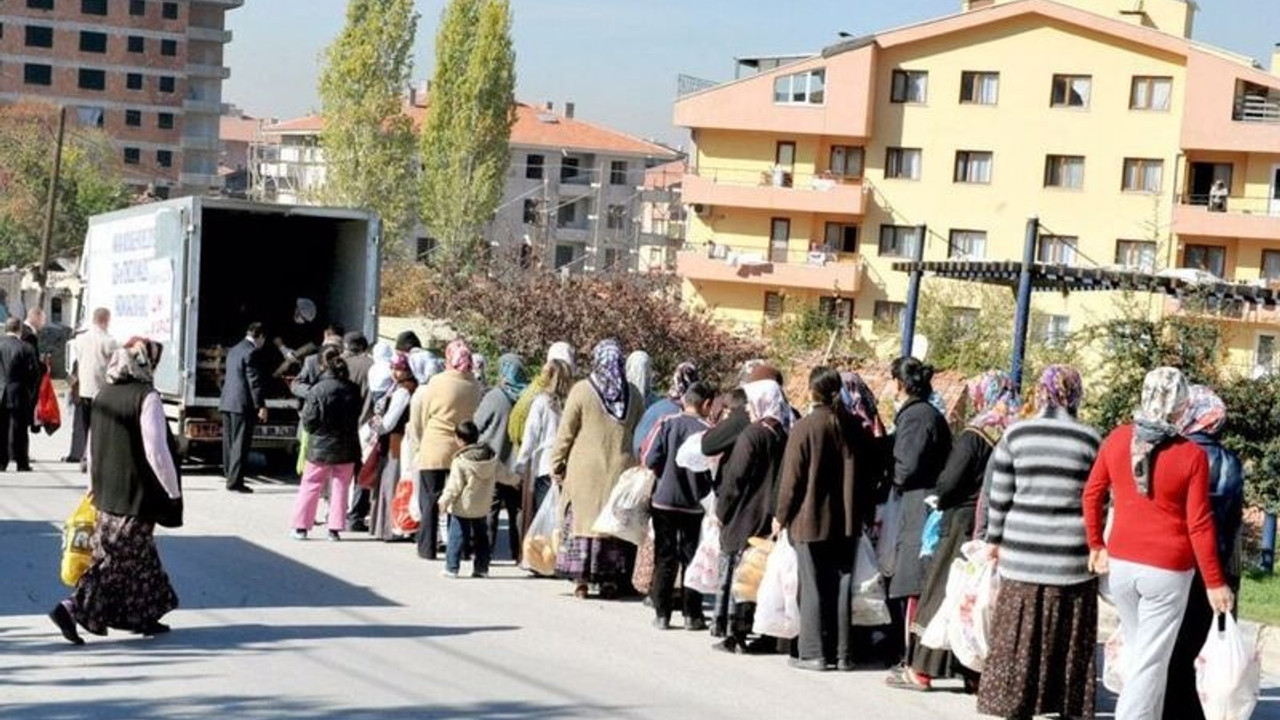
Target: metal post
(46, 242)
(913, 295)
(1268, 549)
(1022, 313)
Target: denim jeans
(462, 530)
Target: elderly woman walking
(492, 418)
(1045, 625)
(1158, 482)
(135, 486)
(593, 447)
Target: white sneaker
(299, 534)
(449, 574)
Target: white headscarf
(764, 399)
(380, 380)
(562, 351)
(423, 365)
(640, 372)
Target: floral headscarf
(1206, 413)
(135, 361)
(1060, 386)
(994, 401)
(764, 398)
(1164, 400)
(457, 356)
(512, 376)
(685, 375)
(380, 380)
(640, 373)
(861, 402)
(608, 379)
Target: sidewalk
(1268, 637)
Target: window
(616, 218)
(37, 74)
(841, 237)
(133, 81)
(1271, 265)
(137, 8)
(1057, 330)
(564, 255)
(806, 88)
(166, 84)
(1071, 91)
(618, 172)
(1209, 258)
(979, 88)
(40, 4)
(774, 305)
(1056, 250)
(38, 36)
(1143, 175)
(137, 44)
(967, 245)
(426, 246)
(133, 118)
(164, 121)
(902, 163)
(569, 168)
(169, 11)
(169, 48)
(132, 156)
(837, 309)
(1136, 254)
(846, 161)
(779, 239)
(533, 167)
(909, 86)
(567, 215)
(93, 7)
(888, 314)
(973, 167)
(93, 79)
(164, 158)
(1150, 93)
(530, 212)
(90, 116)
(94, 42)
(1064, 171)
(899, 240)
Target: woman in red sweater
(1163, 529)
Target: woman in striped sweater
(1046, 616)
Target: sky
(618, 60)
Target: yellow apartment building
(1100, 117)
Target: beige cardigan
(591, 451)
(447, 400)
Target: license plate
(275, 432)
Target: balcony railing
(818, 269)
(1255, 218)
(1239, 204)
(1257, 108)
(774, 189)
(777, 177)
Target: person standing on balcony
(1218, 196)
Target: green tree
(368, 140)
(464, 146)
(91, 182)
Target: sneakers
(334, 536)
(299, 534)
(449, 574)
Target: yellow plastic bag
(77, 555)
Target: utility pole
(46, 244)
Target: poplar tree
(368, 140)
(465, 140)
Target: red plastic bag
(48, 415)
(402, 522)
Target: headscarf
(380, 380)
(861, 403)
(747, 374)
(1206, 413)
(304, 311)
(562, 351)
(479, 368)
(994, 400)
(763, 371)
(1060, 386)
(512, 376)
(608, 379)
(764, 398)
(136, 361)
(685, 375)
(423, 365)
(1164, 401)
(640, 373)
(457, 356)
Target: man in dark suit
(31, 329)
(243, 405)
(20, 380)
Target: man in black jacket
(20, 379)
(243, 405)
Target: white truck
(193, 272)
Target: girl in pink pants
(331, 416)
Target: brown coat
(592, 449)
(821, 495)
(447, 400)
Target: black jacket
(960, 483)
(19, 374)
(921, 443)
(331, 415)
(242, 386)
(122, 479)
(721, 439)
(677, 488)
(749, 485)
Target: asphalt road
(275, 628)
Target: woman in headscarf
(593, 447)
(745, 504)
(391, 419)
(861, 403)
(685, 375)
(993, 400)
(520, 413)
(480, 371)
(135, 486)
(1202, 424)
(1045, 622)
(381, 381)
(534, 458)
(640, 374)
(492, 418)
(1158, 483)
(448, 399)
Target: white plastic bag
(626, 513)
(869, 607)
(969, 629)
(1228, 675)
(777, 604)
(538, 552)
(888, 519)
(1113, 672)
(689, 456)
(936, 633)
(703, 574)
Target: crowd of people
(1026, 476)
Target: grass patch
(1260, 598)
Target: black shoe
(69, 459)
(242, 489)
(61, 617)
(358, 526)
(696, 624)
(728, 645)
(761, 646)
(815, 665)
(720, 629)
(334, 535)
(662, 623)
(154, 628)
(24, 468)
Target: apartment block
(147, 72)
(810, 180)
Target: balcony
(1222, 310)
(774, 190)
(220, 72)
(228, 4)
(208, 34)
(814, 271)
(1251, 218)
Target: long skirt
(126, 587)
(591, 559)
(956, 531)
(385, 490)
(1042, 659)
